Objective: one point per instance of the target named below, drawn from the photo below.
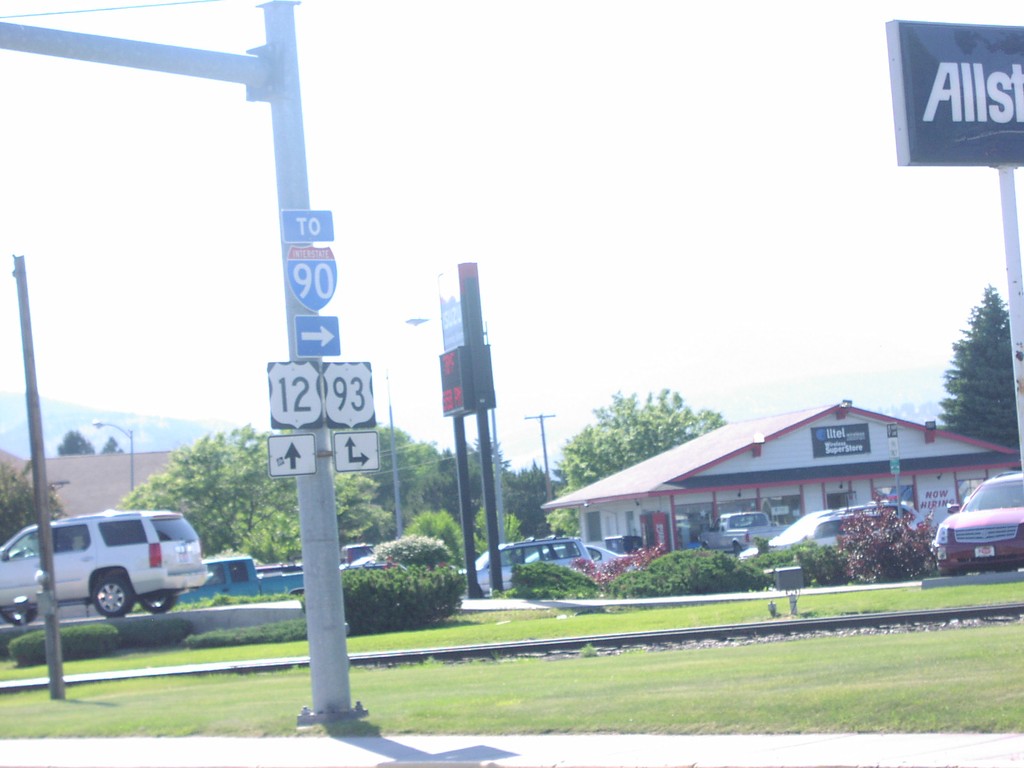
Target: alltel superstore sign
(958, 93)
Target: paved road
(599, 751)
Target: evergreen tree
(523, 493)
(111, 446)
(982, 402)
(75, 444)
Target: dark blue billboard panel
(957, 93)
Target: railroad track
(668, 637)
(664, 637)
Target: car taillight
(156, 557)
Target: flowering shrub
(883, 546)
(413, 550)
(604, 574)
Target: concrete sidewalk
(600, 751)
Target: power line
(139, 6)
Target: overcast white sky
(659, 194)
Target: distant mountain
(912, 395)
(150, 433)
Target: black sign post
(467, 386)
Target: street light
(131, 443)
(414, 322)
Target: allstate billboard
(957, 93)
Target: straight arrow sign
(291, 455)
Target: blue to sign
(317, 336)
(307, 226)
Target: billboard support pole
(1011, 242)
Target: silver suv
(559, 551)
(111, 559)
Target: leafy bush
(152, 632)
(85, 641)
(883, 546)
(288, 631)
(439, 525)
(547, 581)
(604, 574)
(822, 566)
(691, 572)
(397, 599)
(413, 550)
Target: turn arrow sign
(316, 336)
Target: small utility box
(789, 579)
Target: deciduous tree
(627, 432)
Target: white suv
(559, 551)
(111, 559)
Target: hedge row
(90, 641)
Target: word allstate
(974, 96)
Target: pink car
(987, 534)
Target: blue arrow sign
(307, 226)
(317, 336)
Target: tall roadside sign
(271, 74)
(467, 387)
(958, 100)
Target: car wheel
(737, 548)
(159, 603)
(112, 595)
(19, 616)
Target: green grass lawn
(959, 680)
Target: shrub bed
(691, 572)
(547, 581)
(288, 631)
(398, 599)
(87, 641)
(90, 641)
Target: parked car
(241, 576)
(987, 533)
(735, 531)
(112, 559)
(556, 550)
(350, 553)
(824, 527)
(601, 555)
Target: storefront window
(737, 505)
(691, 522)
(782, 510)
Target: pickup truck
(241, 576)
(736, 531)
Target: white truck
(736, 531)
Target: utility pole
(544, 444)
(41, 491)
